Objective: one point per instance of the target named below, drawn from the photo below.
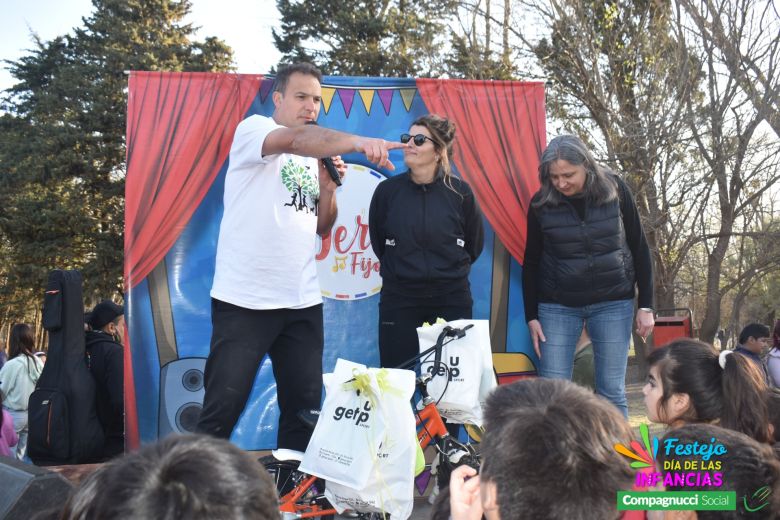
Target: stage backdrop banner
(179, 130)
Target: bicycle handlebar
(447, 334)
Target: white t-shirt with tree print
(267, 238)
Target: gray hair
(599, 187)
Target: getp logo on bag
(360, 416)
(444, 368)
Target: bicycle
(301, 495)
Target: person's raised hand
(465, 500)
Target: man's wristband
(646, 309)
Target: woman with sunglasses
(426, 230)
(586, 255)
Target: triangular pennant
(265, 87)
(367, 95)
(327, 97)
(386, 97)
(347, 96)
(407, 94)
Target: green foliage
(63, 151)
(364, 38)
(471, 61)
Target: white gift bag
(390, 487)
(349, 430)
(465, 376)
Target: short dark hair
(285, 71)
(753, 330)
(735, 394)
(181, 476)
(541, 433)
(746, 466)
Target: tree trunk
(711, 322)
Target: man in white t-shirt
(266, 297)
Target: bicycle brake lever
(459, 333)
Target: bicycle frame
(432, 425)
(288, 503)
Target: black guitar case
(63, 423)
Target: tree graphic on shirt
(301, 185)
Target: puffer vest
(584, 261)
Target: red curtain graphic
(179, 130)
(499, 142)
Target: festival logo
(685, 464)
(758, 500)
(346, 264)
(644, 456)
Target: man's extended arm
(315, 141)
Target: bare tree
(619, 67)
(745, 34)
(742, 164)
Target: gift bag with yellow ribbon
(464, 376)
(390, 485)
(349, 429)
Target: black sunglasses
(419, 139)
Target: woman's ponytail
(744, 398)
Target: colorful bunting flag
(327, 97)
(367, 95)
(347, 97)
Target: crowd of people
(548, 451)
(549, 445)
(103, 356)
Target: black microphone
(328, 162)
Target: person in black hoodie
(106, 363)
(426, 230)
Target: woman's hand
(465, 501)
(644, 323)
(537, 335)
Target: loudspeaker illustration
(181, 395)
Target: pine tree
(63, 151)
(365, 38)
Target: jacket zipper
(425, 233)
(48, 427)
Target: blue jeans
(609, 328)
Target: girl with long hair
(17, 380)
(690, 382)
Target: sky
(245, 25)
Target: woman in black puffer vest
(585, 256)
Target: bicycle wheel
(286, 476)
